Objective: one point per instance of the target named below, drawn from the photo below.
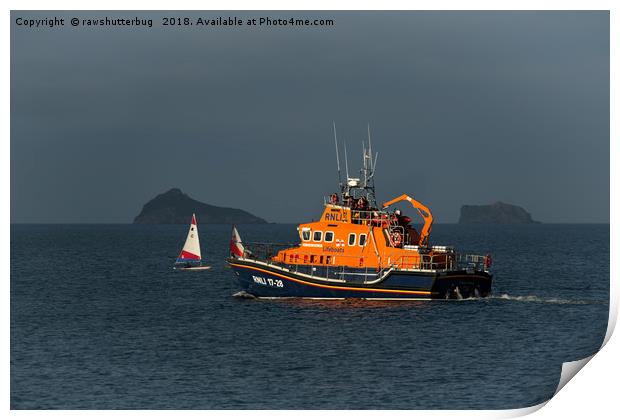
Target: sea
(99, 320)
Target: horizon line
(292, 223)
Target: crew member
(348, 201)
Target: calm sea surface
(99, 320)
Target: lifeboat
(358, 249)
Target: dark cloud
(465, 108)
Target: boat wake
(537, 299)
(243, 295)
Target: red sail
(236, 247)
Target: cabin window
(305, 235)
(318, 236)
(329, 236)
(362, 239)
(351, 239)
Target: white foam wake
(537, 299)
(244, 295)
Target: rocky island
(496, 213)
(176, 207)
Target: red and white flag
(236, 247)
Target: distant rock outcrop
(496, 213)
(175, 207)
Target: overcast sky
(464, 108)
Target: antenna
(374, 166)
(363, 170)
(337, 157)
(364, 153)
(369, 145)
(346, 161)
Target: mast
(346, 161)
(337, 157)
(364, 167)
(364, 186)
(368, 170)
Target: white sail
(236, 246)
(191, 249)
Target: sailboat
(190, 258)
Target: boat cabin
(362, 238)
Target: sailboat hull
(197, 268)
